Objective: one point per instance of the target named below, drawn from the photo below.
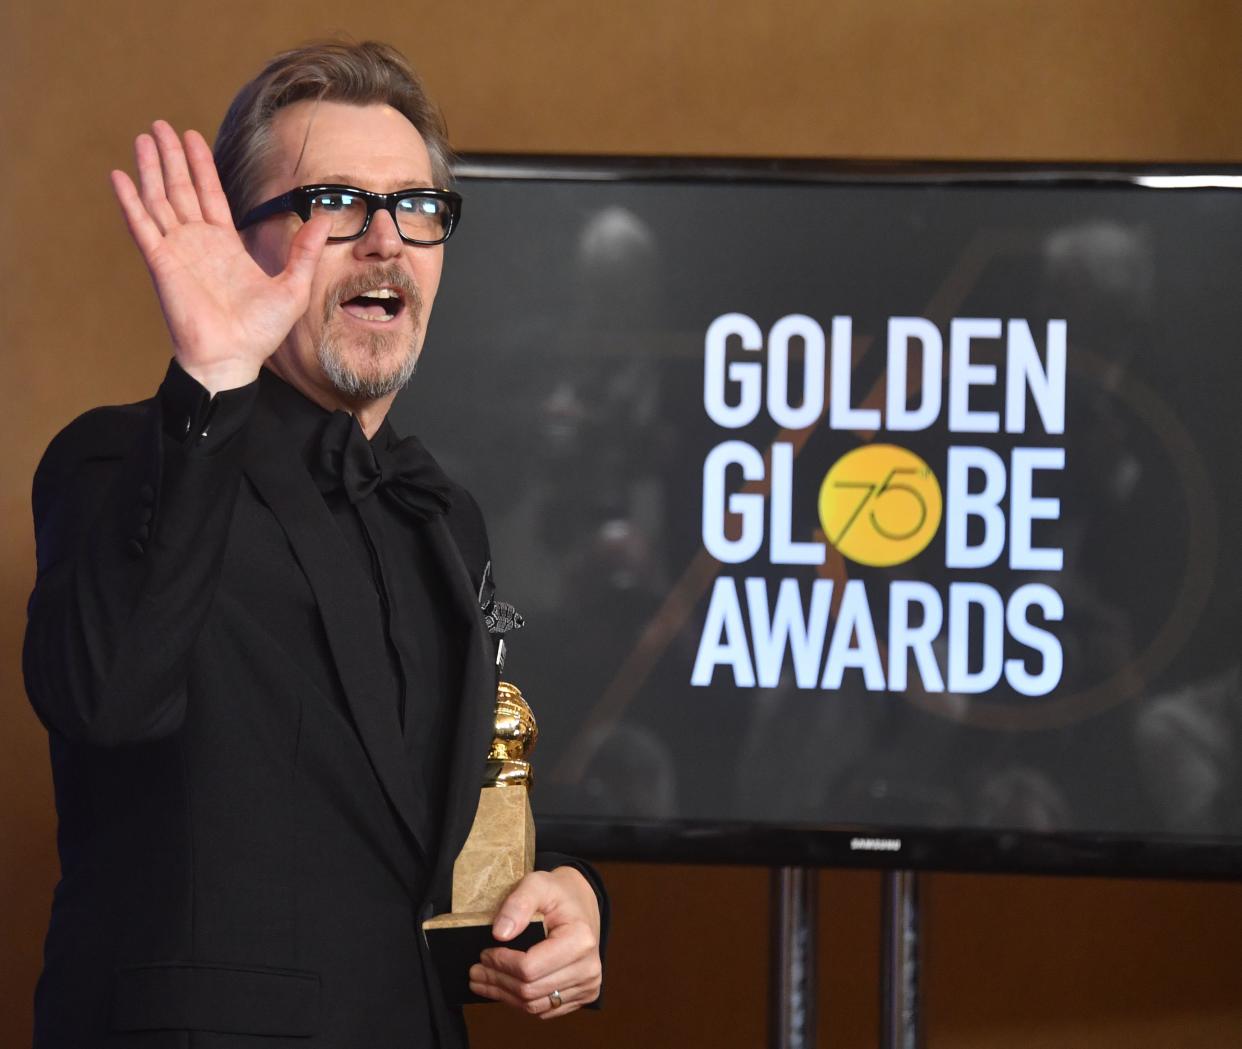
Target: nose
(381, 240)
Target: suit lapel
(347, 604)
(475, 716)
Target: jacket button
(144, 533)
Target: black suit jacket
(242, 862)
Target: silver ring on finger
(556, 999)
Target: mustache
(391, 276)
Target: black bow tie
(404, 471)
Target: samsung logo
(875, 844)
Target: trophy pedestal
(498, 854)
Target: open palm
(225, 314)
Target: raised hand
(225, 314)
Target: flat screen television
(860, 515)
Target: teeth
(381, 293)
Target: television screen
(880, 519)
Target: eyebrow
(350, 180)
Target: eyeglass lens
(418, 218)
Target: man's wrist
(222, 375)
(194, 417)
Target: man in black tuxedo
(256, 638)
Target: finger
(582, 974)
(532, 896)
(572, 999)
(142, 228)
(304, 252)
(206, 178)
(572, 996)
(151, 183)
(546, 957)
(543, 983)
(543, 1008)
(177, 183)
(569, 956)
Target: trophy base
(455, 942)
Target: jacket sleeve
(132, 508)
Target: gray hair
(360, 74)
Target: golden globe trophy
(499, 852)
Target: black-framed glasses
(422, 216)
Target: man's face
(362, 352)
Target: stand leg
(900, 1027)
(791, 994)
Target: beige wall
(1014, 962)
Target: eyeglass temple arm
(292, 201)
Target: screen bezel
(880, 847)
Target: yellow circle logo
(880, 505)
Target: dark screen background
(562, 383)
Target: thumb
(304, 252)
(522, 904)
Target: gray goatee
(360, 383)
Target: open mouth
(378, 305)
